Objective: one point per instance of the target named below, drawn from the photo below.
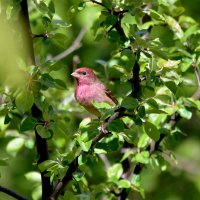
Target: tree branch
(103, 129)
(42, 147)
(196, 95)
(75, 45)
(11, 193)
(68, 177)
(73, 165)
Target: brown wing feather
(110, 95)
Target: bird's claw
(102, 129)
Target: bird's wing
(110, 95)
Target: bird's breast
(86, 94)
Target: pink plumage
(89, 88)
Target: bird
(89, 89)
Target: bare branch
(11, 193)
(75, 45)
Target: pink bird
(89, 88)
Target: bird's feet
(102, 129)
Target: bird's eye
(84, 73)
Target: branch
(42, 148)
(68, 177)
(103, 130)
(11, 193)
(196, 95)
(117, 25)
(196, 71)
(73, 165)
(136, 79)
(75, 45)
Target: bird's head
(84, 75)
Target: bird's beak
(75, 74)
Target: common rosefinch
(89, 88)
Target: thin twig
(196, 95)
(75, 45)
(196, 71)
(12, 193)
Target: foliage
(147, 53)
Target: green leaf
(34, 177)
(129, 135)
(142, 157)
(123, 184)
(110, 20)
(47, 80)
(185, 113)
(156, 51)
(7, 119)
(136, 180)
(24, 100)
(107, 3)
(28, 123)
(151, 131)
(84, 145)
(60, 24)
(78, 175)
(116, 126)
(128, 19)
(61, 84)
(168, 63)
(155, 15)
(190, 31)
(172, 86)
(52, 7)
(14, 146)
(81, 6)
(137, 121)
(115, 172)
(43, 131)
(82, 159)
(69, 195)
(100, 151)
(174, 25)
(113, 144)
(48, 63)
(152, 102)
(46, 21)
(129, 103)
(141, 111)
(46, 165)
(143, 140)
(42, 7)
(113, 36)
